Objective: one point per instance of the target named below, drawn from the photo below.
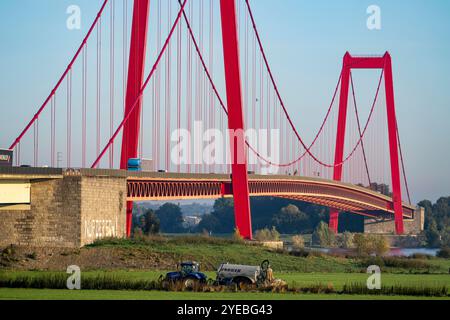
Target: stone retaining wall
(71, 211)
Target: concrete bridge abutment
(69, 208)
(412, 226)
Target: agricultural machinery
(243, 276)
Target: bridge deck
(342, 196)
(147, 186)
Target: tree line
(286, 216)
(437, 222)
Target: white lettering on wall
(97, 229)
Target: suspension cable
(141, 91)
(308, 150)
(403, 163)
(359, 129)
(58, 84)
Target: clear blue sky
(305, 41)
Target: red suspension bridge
(208, 64)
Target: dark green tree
(433, 235)
(171, 218)
(150, 223)
(267, 212)
(209, 223)
(351, 222)
(324, 236)
(221, 220)
(428, 206)
(437, 222)
(290, 220)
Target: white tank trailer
(238, 274)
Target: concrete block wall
(103, 208)
(71, 211)
(52, 219)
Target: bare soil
(107, 258)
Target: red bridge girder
(139, 190)
(329, 193)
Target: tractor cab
(187, 268)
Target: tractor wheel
(166, 284)
(191, 283)
(242, 283)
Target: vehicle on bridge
(140, 165)
(6, 158)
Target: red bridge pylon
(130, 140)
(384, 63)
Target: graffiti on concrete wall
(97, 229)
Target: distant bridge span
(333, 194)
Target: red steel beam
(235, 117)
(340, 135)
(365, 62)
(136, 66)
(393, 145)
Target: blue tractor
(188, 275)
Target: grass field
(215, 252)
(337, 280)
(211, 252)
(44, 294)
